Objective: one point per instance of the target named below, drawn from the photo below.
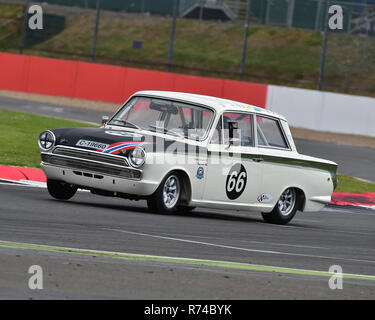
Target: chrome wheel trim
(287, 201)
(171, 191)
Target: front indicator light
(136, 175)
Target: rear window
(270, 133)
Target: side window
(269, 133)
(245, 128)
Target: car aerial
(179, 151)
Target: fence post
(246, 32)
(268, 8)
(93, 50)
(318, 15)
(324, 47)
(23, 34)
(201, 4)
(173, 31)
(291, 7)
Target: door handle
(258, 159)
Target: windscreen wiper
(128, 124)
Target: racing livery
(179, 151)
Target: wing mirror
(105, 120)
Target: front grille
(91, 162)
(90, 166)
(91, 155)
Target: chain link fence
(288, 42)
(350, 52)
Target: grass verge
(349, 184)
(19, 134)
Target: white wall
(323, 111)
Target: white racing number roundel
(236, 181)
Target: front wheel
(285, 209)
(167, 197)
(61, 190)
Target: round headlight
(46, 140)
(137, 157)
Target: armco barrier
(14, 72)
(99, 82)
(136, 79)
(243, 91)
(45, 76)
(323, 111)
(109, 83)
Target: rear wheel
(285, 209)
(61, 190)
(167, 197)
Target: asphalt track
(355, 161)
(207, 254)
(313, 241)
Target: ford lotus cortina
(179, 151)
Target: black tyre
(166, 198)
(61, 190)
(185, 209)
(285, 208)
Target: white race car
(180, 151)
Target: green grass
(11, 18)
(350, 184)
(286, 53)
(19, 134)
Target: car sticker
(91, 144)
(121, 146)
(236, 181)
(265, 198)
(200, 173)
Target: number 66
(236, 181)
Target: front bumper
(91, 180)
(95, 170)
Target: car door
(233, 174)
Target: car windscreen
(170, 117)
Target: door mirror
(105, 119)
